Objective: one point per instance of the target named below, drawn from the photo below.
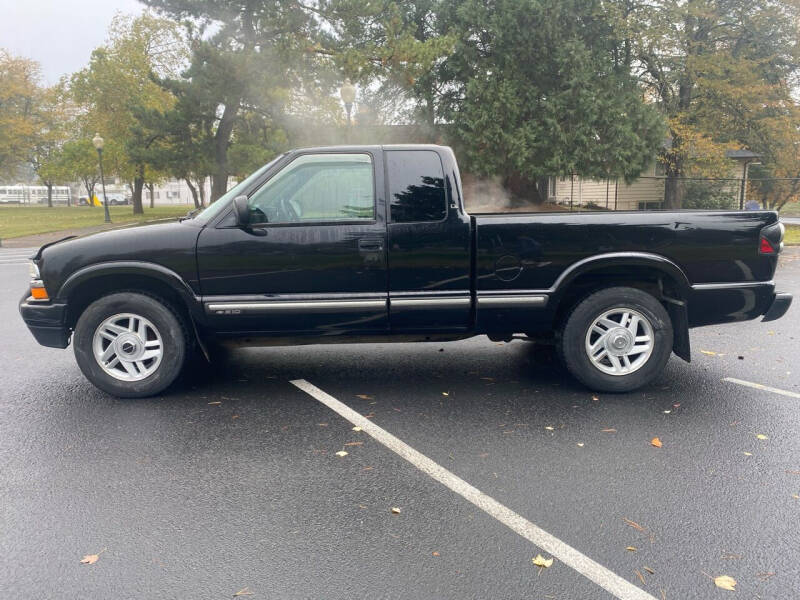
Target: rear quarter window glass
(416, 186)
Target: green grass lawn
(18, 221)
(792, 235)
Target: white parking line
(611, 582)
(765, 388)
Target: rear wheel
(130, 345)
(616, 340)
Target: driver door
(314, 259)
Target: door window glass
(416, 186)
(317, 187)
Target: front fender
(142, 268)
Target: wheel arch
(651, 273)
(90, 283)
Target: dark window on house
(416, 186)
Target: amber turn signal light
(38, 292)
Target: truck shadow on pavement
(480, 371)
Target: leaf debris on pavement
(396, 510)
(90, 559)
(243, 592)
(633, 524)
(656, 442)
(725, 582)
(341, 453)
(541, 561)
(761, 436)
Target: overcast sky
(60, 34)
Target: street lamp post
(98, 143)
(348, 93)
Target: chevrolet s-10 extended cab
(372, 243)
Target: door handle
(367, 245)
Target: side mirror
(242, 211)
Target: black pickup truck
(372, 243)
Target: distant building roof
(742, 154)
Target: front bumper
(46, 320)
(780, 304)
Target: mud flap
(680, 328)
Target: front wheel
(130, 345)
(616, 340)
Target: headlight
(33, 268)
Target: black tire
(174, 342)
(572, 341)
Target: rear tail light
(771, 239)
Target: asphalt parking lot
(232, 482)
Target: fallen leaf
(341, 453)
(354, 443)
(609, 430)
(435, 553)
(395, 510)
(445, 394)
(641, 577)
(356, 428)
(580, 444)
(243, 592)
(649, 570)
(709, 352)
(216, 402)
(549, 428)
(796, 496)
(595, 399)
(656, 442)
(747, 453)
(631, 548)
(726, 582)
(541, 561)
(364, 396)
(666, 412)
(322, 424)
(234, 416)
(633, 524)
(761, 436)
(90, 559)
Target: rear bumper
(46, 322)
(779, 306)
(715, 303)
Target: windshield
(215, 208)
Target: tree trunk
(193, 189)
(673, 191)
(49, 194)
(150, 187)
(201, 186)
(138, 185)
(523, 187)
(219, 179)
